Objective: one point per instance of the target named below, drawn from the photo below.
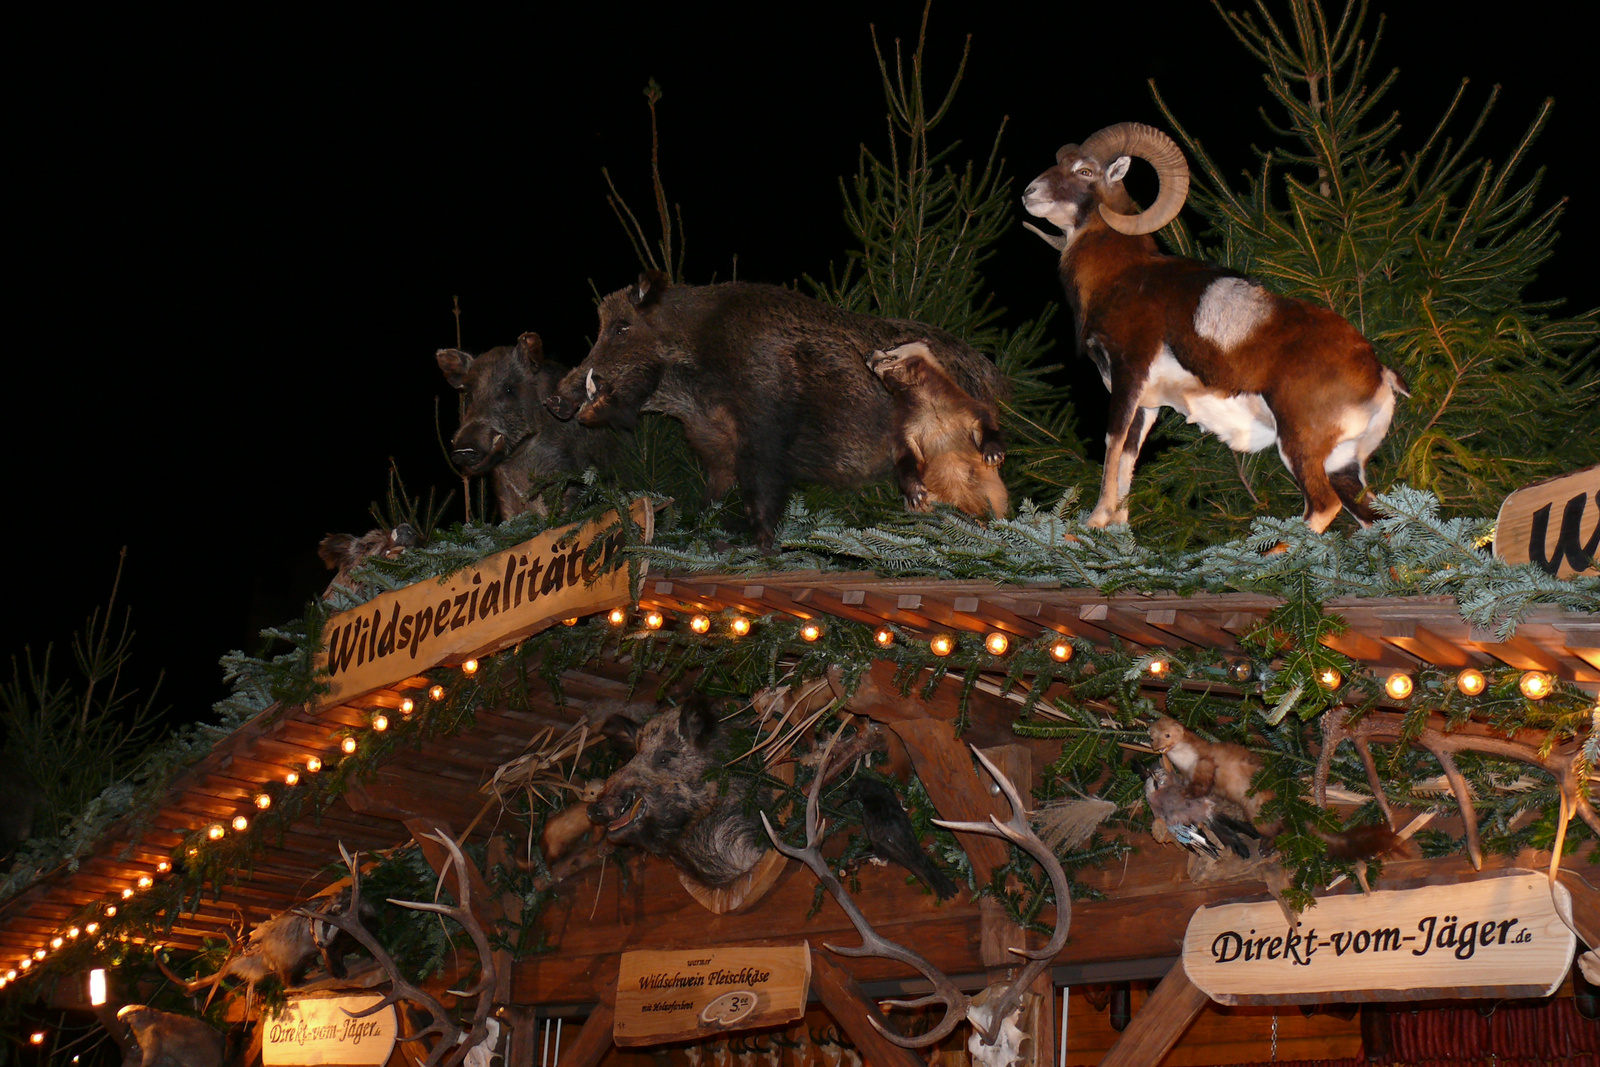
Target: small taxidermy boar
(661, 802)
(342, 553)
(947, 445)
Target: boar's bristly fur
(661, 802)
(505, 430)
(772, 387)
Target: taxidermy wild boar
(168, 1040)
(283, 946)
(506, 432)
(661, 802)
(772, 387)
(342, 553)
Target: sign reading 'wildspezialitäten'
(698, 993)
(313, 1031)
(1494, 937)
(479, 610)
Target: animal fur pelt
(168, 1040)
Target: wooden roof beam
(1185, 626)
(1582, 641)
(1428, 645)
(1127, 623)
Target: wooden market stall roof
(441, 781)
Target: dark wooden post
(594, 1040)
(1159, 1022)
(845, 1000)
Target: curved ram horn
(1158, 150)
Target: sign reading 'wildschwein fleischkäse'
(684, 994)
(1493, 937)
(562, 573)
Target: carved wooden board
(473, 612)
(1554, 523)
(1496, 937)
(694, 994)
(316, 1030)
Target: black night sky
(239, 241)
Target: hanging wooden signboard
(1555, 523)
(313, 1031)
(694, 994)
(1496, 937)
(476, 611)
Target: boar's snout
(477, 447)
(617, 810)
(560, 407)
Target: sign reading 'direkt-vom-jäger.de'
(690, 994)
(478, 610)
(313, 1031)
(1499, 936)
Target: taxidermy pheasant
(892, 835)
(1203, 825)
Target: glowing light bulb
(407, 706)
(997, 643)
(37, 1037)
(380, 723)
(111, 911)
(942, 644)
(38, 953)
(739, 625)
(1398, 685)
(436, 692)
(348, 745)
(1158, 668)
(11, 976)
(57, 942)
(1329, 678)
(240, 823)
(314, 764)
(145, 881)
(26, 964)
(92, 929)
(163, 866)
(127, 894)
(810, 631)
(97, 990)
(884, 638)
(1471, 682)
(1536, 685)
(653, 619)
(292, 778)
(570, 622)
(216, 831)
(700, 624)
(73, 931)
(1061, 650)
(470, 667)
(616, 616)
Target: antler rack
(1522, 746)
(957, 1005)
(453, 1046)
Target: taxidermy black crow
(1203, 825)
(892, 836)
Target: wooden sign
(1496, 937)
(319, 1030)
(476, 611)
(696, 994)
(1554, 523)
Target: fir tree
(925, 225)
(1428, 251)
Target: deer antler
(452, 1047)
(872, 943)
(1523, 746)
(1019, 832)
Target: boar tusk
(588, 384)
